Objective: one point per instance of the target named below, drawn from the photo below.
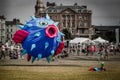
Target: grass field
(58, 73)
(75, 68)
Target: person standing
(106, 53)
(18, 52)
(2, 51)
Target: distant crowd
(102, 50)
(13, 51)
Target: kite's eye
(43, 23)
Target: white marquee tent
(80, 40)
(100, 40)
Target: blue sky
(104, 12)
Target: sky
(104, 12)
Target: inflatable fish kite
(40, 38)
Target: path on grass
(69, 61)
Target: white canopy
(80, 40)
(100, 40)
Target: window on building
(49, 10)
(56, 17)
(54, 10)
(68, 17)
(7, 35)
(73, 24)
(11, 35)
(7, 30)
(73, 17)
(85, 17)
(63, 17)
(51, 17)
(80, 24)
(63, 24)
(79, 11)
(82, 31)
(11, 30)
(86, 31)
(82, 10)
(80, 17)
(2, 26)
(85, 24)
(72, 31)
(68, 24)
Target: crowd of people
(103, 50)
(13, 51)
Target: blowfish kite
(40, 38)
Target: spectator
(2, 51)
(106, 53)
(12, 52)
(18, 52)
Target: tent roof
(101, 40)
(79, 40)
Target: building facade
(11, 28)
(39, 8)
(2, 29)
(108, 32)
(7, 29)
(76, 19)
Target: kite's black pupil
(43, 23)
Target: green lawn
(57, 73)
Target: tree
(67, 34)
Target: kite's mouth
(51, 31)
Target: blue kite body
(37, 42)
(43, 38)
